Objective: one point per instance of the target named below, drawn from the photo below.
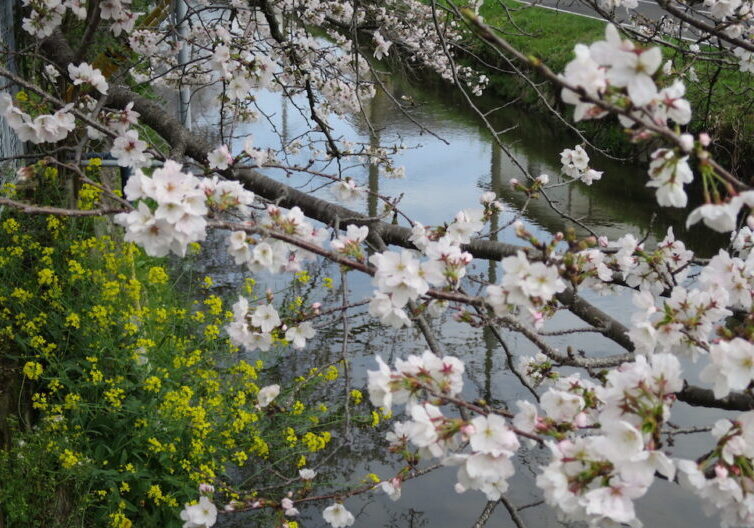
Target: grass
(547, 34)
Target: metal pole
(181, 11)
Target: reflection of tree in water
(410, 518)
(618, 204)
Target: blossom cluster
(272, 254)
(656, 270)
(403, 277)
(596, 478)
(182, 205)
(575, 163)
(45, 128)
(528, 286)
(614, 70)
(491, 441)
(253, 328)
(723, 479)
(179, 217)
(47, 15)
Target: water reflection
(441, 180)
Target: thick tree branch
(699, 397)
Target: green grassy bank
(725, 110)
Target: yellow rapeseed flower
(73, 320)
(10, 226)
(33, 370)
(157, 275)
(356, 396)
(152, 384)
(68, 459)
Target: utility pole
(181, 10)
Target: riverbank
(724, 111)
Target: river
(442, 179)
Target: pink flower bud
(468, 429)
(206, 488)
(687, 142)
(704, 139)
(581, 420)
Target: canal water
(442, 177)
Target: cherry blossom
(201, 515)
(337, 516)
(128, 149)
(85, 73)
(267, 394)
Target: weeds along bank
(118, 395)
